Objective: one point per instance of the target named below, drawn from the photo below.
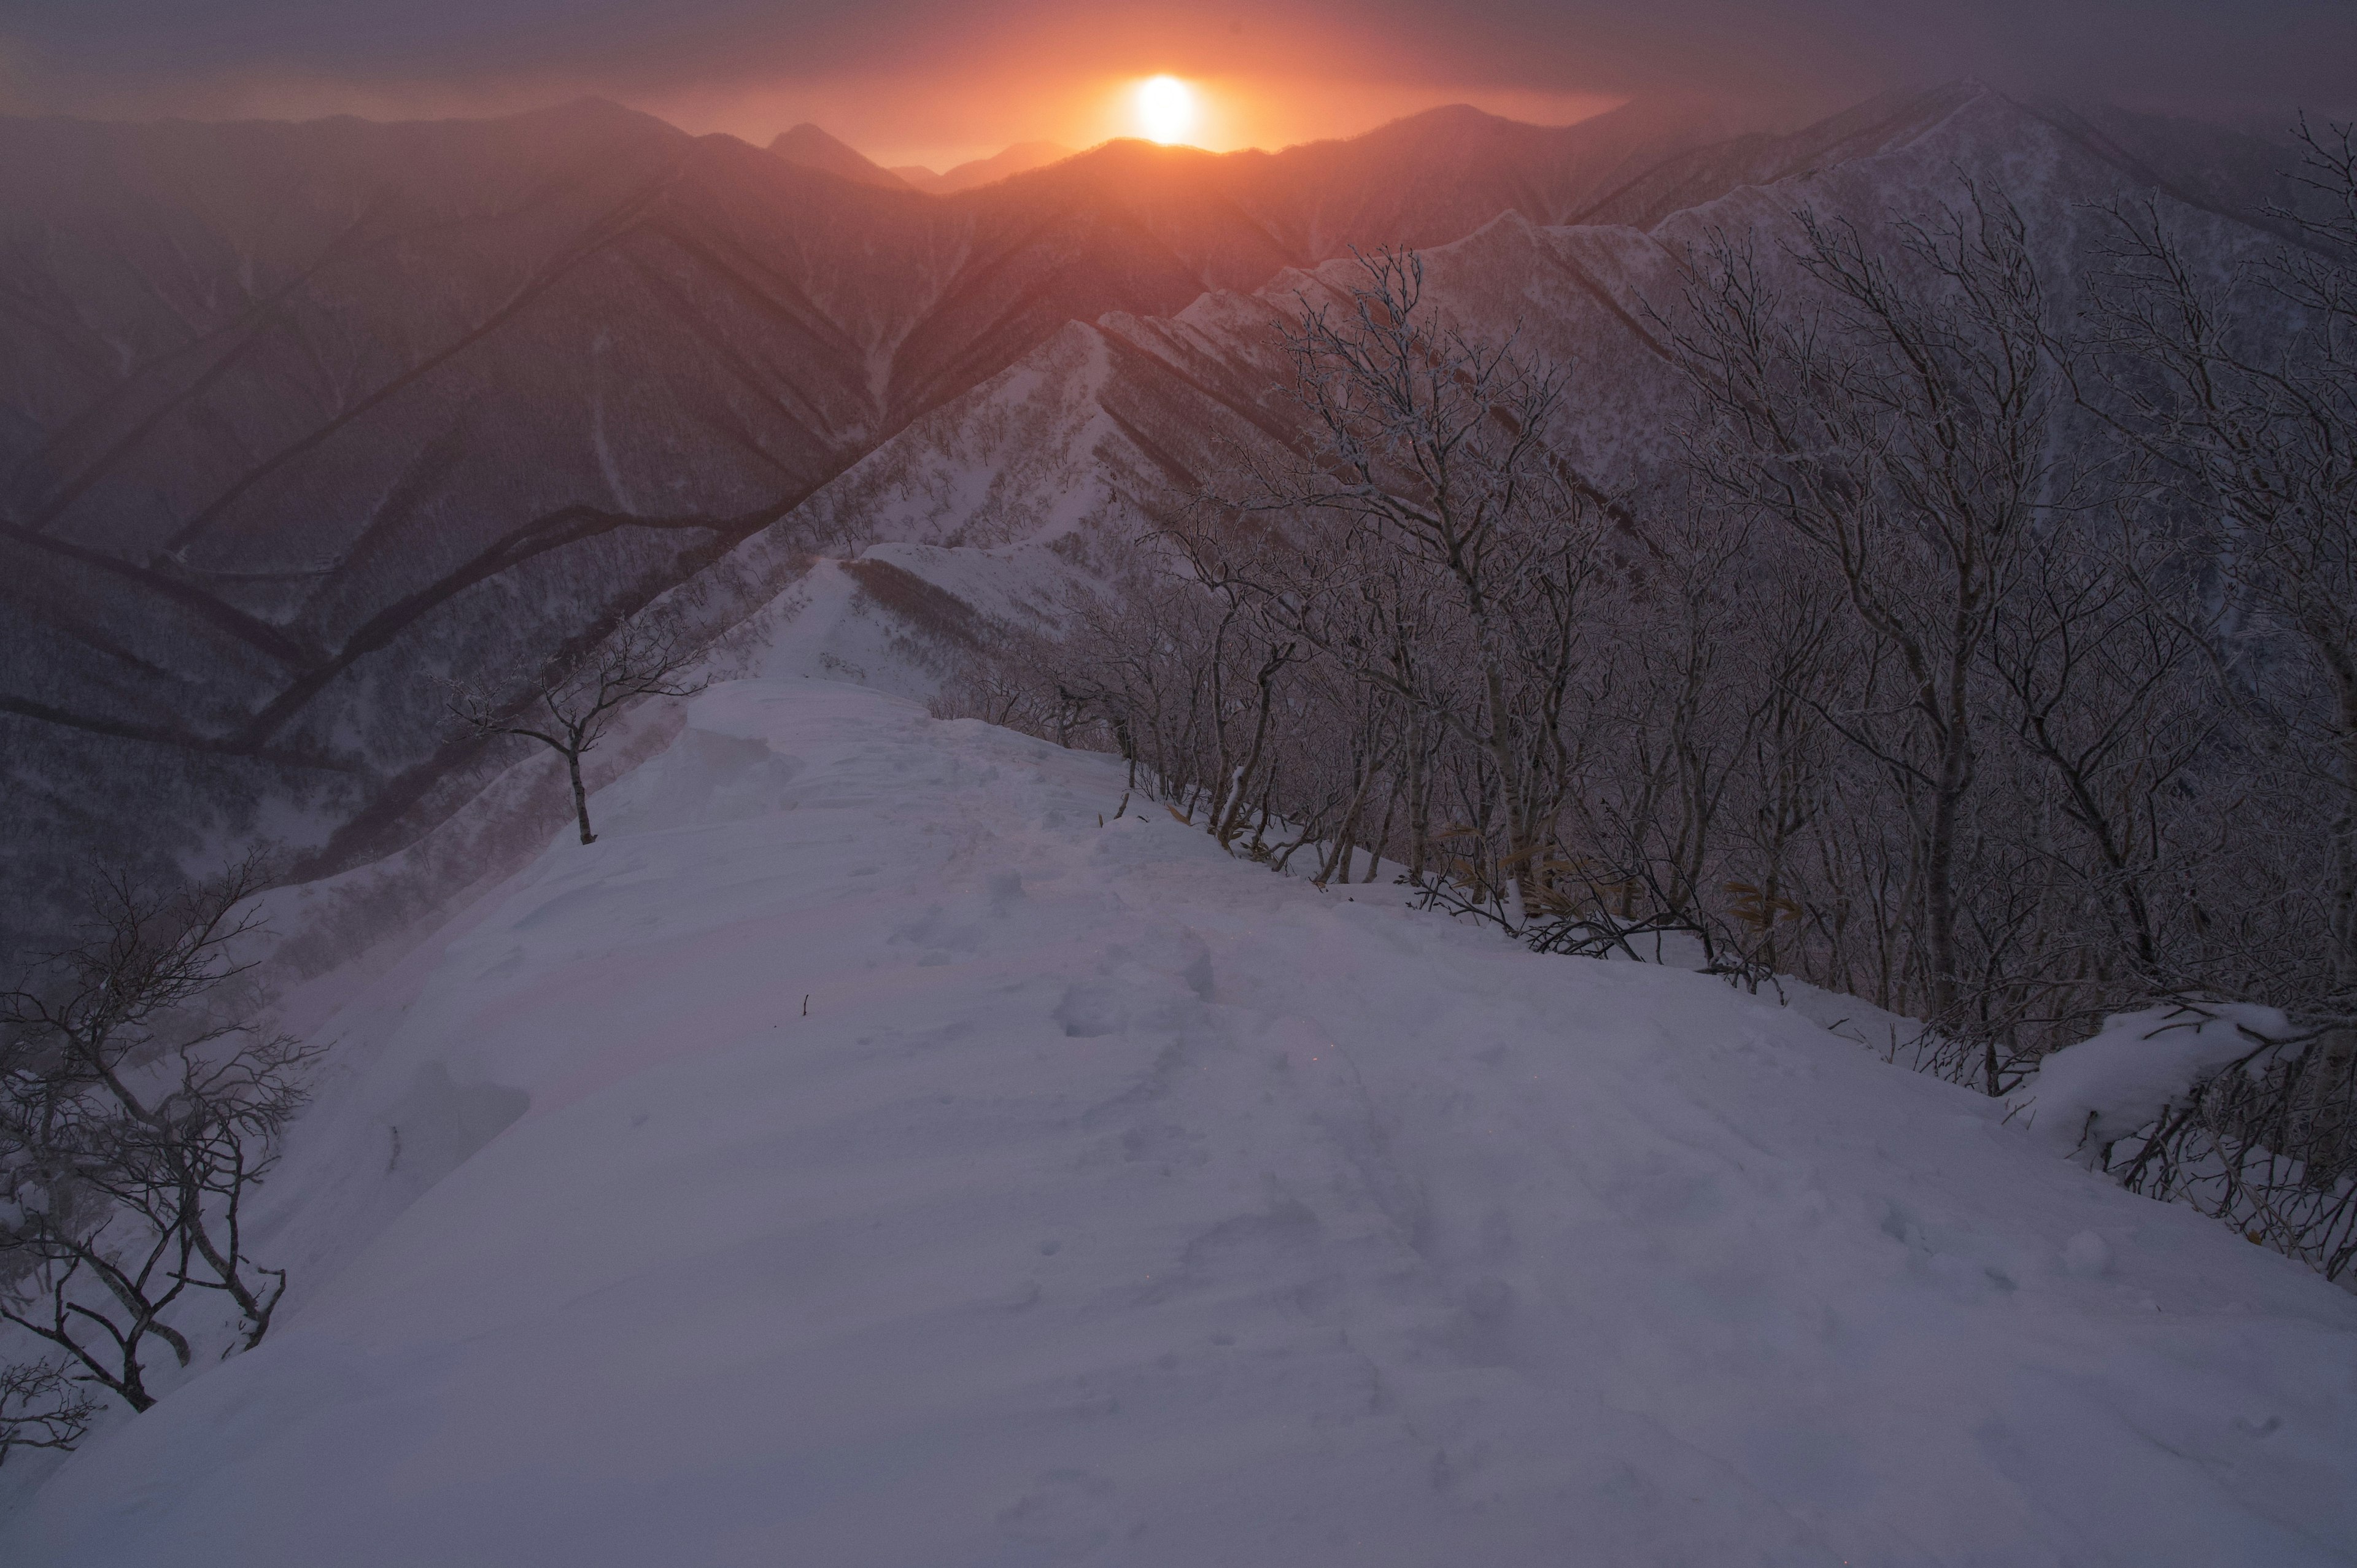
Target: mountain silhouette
(813, 148)
(1016, 159)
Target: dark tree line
(1990, 658)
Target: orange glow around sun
(942, 120)
(1166, 109)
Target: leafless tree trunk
(1426, 449)
(2245, 393)
(570, 707)
(1896, 418)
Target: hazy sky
(934, 80)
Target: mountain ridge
(813, 148)
(889, 1144)
(1019, 157)
(284, 410)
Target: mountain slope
(1110, 423)
(862, 1155)
(294, 419)
(1018, 158)
(811, 147)
(1049, 468)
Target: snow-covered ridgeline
(1115, 1201)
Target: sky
(937, 80)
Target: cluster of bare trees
(2241, 396)
(1987, 655)
(139, 1109)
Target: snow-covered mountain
(296, 418)
(293, 417)
(1113, 422)
(879, 1148)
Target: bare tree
(138, 1111)
(1896, 418)
(1914, 680)
(41, 1407)
(1429, 511)
(2105, 700)
(570, 707)
(2238, 384)
(2244, 391)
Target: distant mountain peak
(1020, 159)
(588, 106)
(812, 148)
(1452, 113)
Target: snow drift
(2121, 1079)
(874, 1151)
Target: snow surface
(2120, 1079)
(1117, 1202)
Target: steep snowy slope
(876, 1150)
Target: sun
(1165, 108)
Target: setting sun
(1165, 108)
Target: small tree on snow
(569, 709)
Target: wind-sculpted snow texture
(1113, 1201)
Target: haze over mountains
(296, 418)
(1019, 159)
(812, 148)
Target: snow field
(1117, 1202)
